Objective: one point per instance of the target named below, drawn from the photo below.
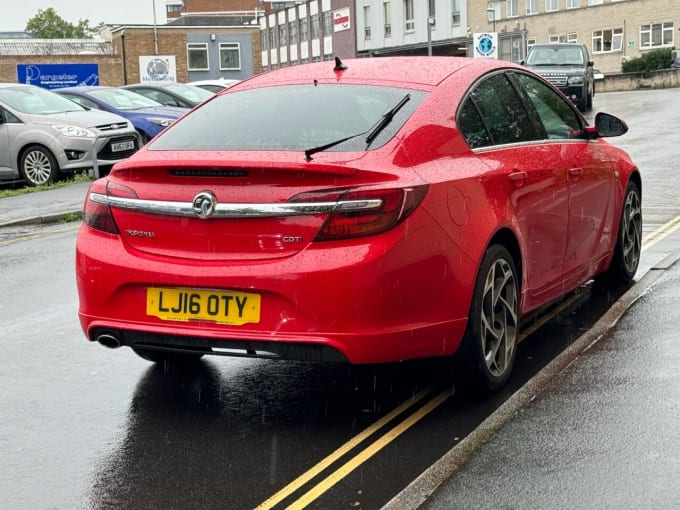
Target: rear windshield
(292, 117)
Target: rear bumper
(352, 303)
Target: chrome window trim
(235, 210)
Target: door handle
(518, 178)
(576, 173)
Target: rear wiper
(373, 131)
(320, 148)
(385, 120)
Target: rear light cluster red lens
(396, 205)
(98, 215)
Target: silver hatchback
(44, 136)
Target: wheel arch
(507, 238)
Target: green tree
(47, 24)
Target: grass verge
(23, 189)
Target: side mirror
(609, 125)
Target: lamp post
(492, 10)
(155, 28)
(430, 22)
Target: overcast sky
(129, 12)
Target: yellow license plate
(222, 307)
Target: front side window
(494, 114)
(197, 57)
(656, 35)
(559, 119)
(230, 56)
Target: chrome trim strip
(235, 210)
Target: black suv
(568, 67)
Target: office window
(532, 6)
(655, 35)
(608, 40)
(304, 30)
(367, 21)
(314, 22)
(512, 8)
(455, 13)
(272, 38)
(264, 40)
(327, 23)
(292, 33)
(552, 5)
(409, 18)
(197, 57)
(595, 2)
(387, 16)
(573, 4)
(283, 35)
(230, 56)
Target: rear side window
(495, 105)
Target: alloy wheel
(499, 318)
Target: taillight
(385, 209)
(97, 212)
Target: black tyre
(490, 344)
(629, 240)
(38, 166)
(175, 358)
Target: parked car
(369, 211)
(44, 136)
(567, 66)
(214, 86)
(171, 94)
(148, 116)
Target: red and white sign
(341, 20)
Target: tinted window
(558, 118)
(502, 113)
(293, 117)
(472, 127)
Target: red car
(369, 211)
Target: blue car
(147, 116)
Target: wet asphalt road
(86, 427)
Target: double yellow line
(369, 451)
(324, 485)
(661, 233)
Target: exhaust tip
(109, 340)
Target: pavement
(598, 427)
(49, 206)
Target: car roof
(418, 72)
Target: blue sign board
(54, 76)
